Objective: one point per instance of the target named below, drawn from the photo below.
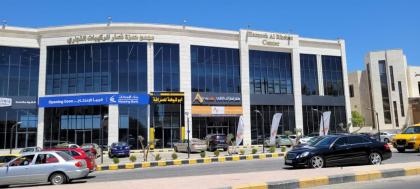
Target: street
(409, 182)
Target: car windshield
(313, 140)
(323, 141)
(412, 130)
(65, 156)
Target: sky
(365, 25)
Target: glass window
(333, 75)
(45, 159)
(401, 98)
(384, 90)
(166, 67)
(341, 141)
(23, 161)
(309, 74)
(356, 140)
(351, 89)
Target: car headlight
(412, 139)
(304, 154)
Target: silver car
(196, 145)
(42, 167)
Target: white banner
(240, 131)
(274, 126)
(324, 125)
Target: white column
(41, 92)
(113, 123)
(320, 74)
(245, 90)
(297, 90)
(150, 82)
(345, 81)
(185, 81)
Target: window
(341, 141)
(333, 75)
(384, 90)
(396, 114)
(309, 74)
(401, 98)
(356, 140)
(166, 67)
(419, 87)
(391, 70)
(23, 161)
(311, 119)
(45, 159)
(351, 91)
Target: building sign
(18, 102)
(93, 100)
(5, 102)
(167, 97)
(216, 98)
(110, 38)
(269, 39)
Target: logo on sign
(5, 102)
(112, 99)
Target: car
(335, 150)
(79, 154)
(409, 138)
(67, 145)
(385, 136)
(281, 140)
(5, 158)
(119, 149)
(293, 138)
(93, 148)
(310, 142)
(196, 145)
(216, 141)
(30, 149)
(305, 139)
(42, 167)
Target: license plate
(289, 161)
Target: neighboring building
(360, 96)
(413, 73)
(105, 83)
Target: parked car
(42, 167)
(313, 140)
(335, 150)
(196, 145)
(293, 138)
(119, 149)
(305, 139)
(385, 136)
(94, 148)
(79, 154)
(67, 145)
(281, 140)
(409, 138)
(5, 158)
(217, 141)
(30, 149)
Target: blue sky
(366, 25)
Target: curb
(327, 180)
(172, 150)
(187, 161)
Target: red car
(78, 153)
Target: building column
(41, 92)
(245, 89)
(345, 82)
(297, 88)
(320, 74)
(40, 128)
(185, 82)
(113, 124)
(150, 83)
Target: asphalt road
(216, 168)
(410, 182)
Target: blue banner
(93, 100)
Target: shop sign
(110, 38)
(269, 39)
(167, 98)
(216, 98)
(5, 102)
(92, 100)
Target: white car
(387, 136)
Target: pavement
(407, 182)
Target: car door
(359, 149)
(338, 153)
(44, 165)
(19, 170)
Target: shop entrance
(203, 126)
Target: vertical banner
(274, 126)
(240, 131)
(324, 125)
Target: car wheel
(316, 162)
(375, 158)
(401, 150)
(386, 140)
(58, 178)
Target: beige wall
(360, 102)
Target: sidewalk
(227, 180)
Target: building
(386, 87)
(112, 82)
(413, 74)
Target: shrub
(288, 133)
(254, 150)
(216, 153)
(157, 157)
(272, 149)
(116, 160)
(133, 158)
(174, 156)
(283, 149)
(242, 151)
(203, 154)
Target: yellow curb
(192, 161)
(235, 158)
(249, 157)
(410, 171)
(252, 186)
(129, 165)
(207, 160)
(274, 155)
(113, 167)
(98, 168)
(145, 164)
(221, 159)
(366, 176)
(161, 163)
(262, 156)
(312, 182)
(177, 162)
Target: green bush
(283, 149)
(272, 149)
(254, 150)
(157, 157)
(216, 153)
(242, 151)
(203, 154)
(133, 158)
(116, 160)
(174, 156)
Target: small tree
(203, 154)
(272, 149)
(174, 156)
(133, 158)
(216, 153)
(230, 139)
(146, 148)
(254, 150)
(357, 119)
(116, 160)
(242, 151)
(283, 149)
(157, 157)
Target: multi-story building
(104, 83)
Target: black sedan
(334, 150)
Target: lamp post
(263, 131)
(102, 138)
(322, 117)
(377, 120)
(188, 134)
(11, 135)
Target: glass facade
(202, 126)
(270, 72)
(166, 67)
(384, 89)
(309, 74)
(312, 118)
(333, 76)
(133, 123)
(19, 71)
(167, 120)
(401, 98)
(215, 69)
(105, 67)
(287, 122)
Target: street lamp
(102, 137)
(11, 135)
(262, 118)
(188, 134)
(377, 120)
(322, 117)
